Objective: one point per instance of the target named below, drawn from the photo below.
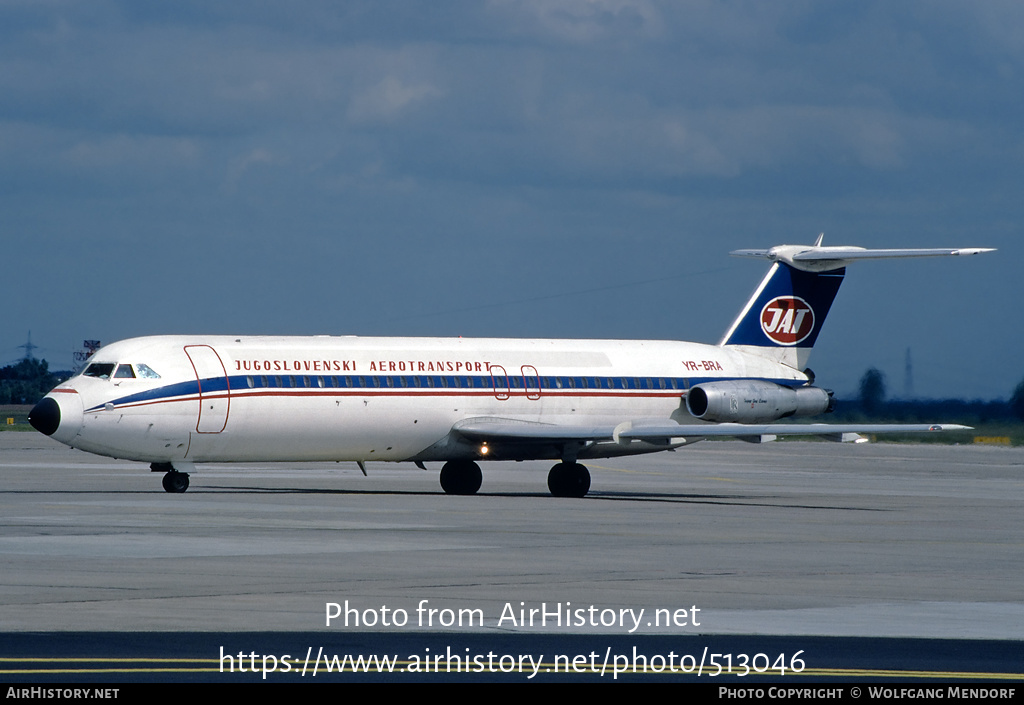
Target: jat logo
(787, 320)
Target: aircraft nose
(45, 416)
(58, 416)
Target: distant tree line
(26, 382)
(1017, 401)
(872, 404)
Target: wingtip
(964, 251)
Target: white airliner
(174, 401)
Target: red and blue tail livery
(787, 310)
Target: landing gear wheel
(461, 477)
(175, 482)
(569, 480)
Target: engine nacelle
(755, 401)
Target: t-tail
(782, 319)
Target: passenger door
(214, 388)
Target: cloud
(551, 127)
(133, 152)
(239, 166)
(582, 21)
(389, 99)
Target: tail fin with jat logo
(783, 317)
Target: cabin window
(101, 370)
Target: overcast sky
(547, 168)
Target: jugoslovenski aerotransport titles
(175, 401)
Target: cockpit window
(105, 370)
(102, 370)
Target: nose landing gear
(173, 481)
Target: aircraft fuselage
(223, 398)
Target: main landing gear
(461, 477)
(173, 481)
(464, 477)
(569, 480)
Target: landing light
(484, 450)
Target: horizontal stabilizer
(815, 258)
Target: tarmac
(794, 538)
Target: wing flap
(493, 428)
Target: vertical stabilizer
(783, 317)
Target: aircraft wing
(660, 431)
(738, 430)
